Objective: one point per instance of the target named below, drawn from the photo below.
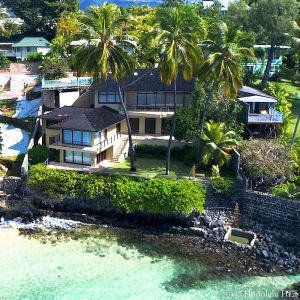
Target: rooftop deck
(66, 83)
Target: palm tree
(176, 42)
(217, 144)
(222, 65)
(101, 27)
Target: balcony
(273, 117)
(56, 143)
(66, 83)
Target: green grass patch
(150, 168)
(239, 239)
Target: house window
(28, 49)
(118, 127)
(77, 157)
(77, 137)
(161, 99)
(108, 97)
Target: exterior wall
(48, 98)
(131, 98)
(49, 133)
(22, 53)
(68, 98)
(110, 152)
(274, 211)
(85, 100)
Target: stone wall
(267, 209)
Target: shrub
(54, 68)
(37, 154)
(35, 57)
(223, 186)
(265, 162)
(155, 195)
(286, 190)
(4, 62)
(60, 184)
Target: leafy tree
(266, 163)
(271, 20)
(9, 29)
(217, 144)
(4, 62)
(102, 27)
(35, 57)
(176, 42)
(222, 64)
(54, 68)
(40, 16)
(283, 105)
(38, 154)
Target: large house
(75, 109)
(147, 99)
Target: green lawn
(292, 88)
(150, 168)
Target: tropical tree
(222, 65)
(176, 43)
(218, 143)
(272, 20)
(101, 27)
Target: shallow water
(106, 263)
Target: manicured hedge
(157, 195)
(154, 195)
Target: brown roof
(89, 119)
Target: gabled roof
(144, 80)
(32, 42)
(252, 91)
(88, 119)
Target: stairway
(120, 150)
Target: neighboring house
(29, 45)
(6, 49)
(259, 115)
(259, 66)
(85, 136)
(64, 91)
(223, 5)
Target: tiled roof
(149, 81)
(77, 118)
(32, 42)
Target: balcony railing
(66, 83)
(274, 116)
(56, 142)
(154, 108)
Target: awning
(257, 99)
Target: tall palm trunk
(203, 118)
(172, 132)
(268, 66)
(131, 149)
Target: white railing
(96, 148)
(67, 82)
(274, 116)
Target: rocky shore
(202, 239)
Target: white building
(29, 45)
